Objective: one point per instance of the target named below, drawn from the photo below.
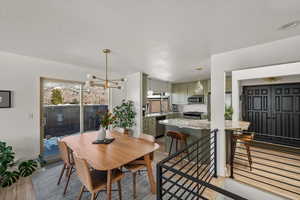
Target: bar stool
(246, 138)
(177, 136)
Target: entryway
(274, 112)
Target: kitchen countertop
(159, 114)
(203, 124)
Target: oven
(192, 115)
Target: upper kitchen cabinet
(145, 88)
(228, 85)
(179, 93)
(158, 86)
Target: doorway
(274, 112)
(66, 109)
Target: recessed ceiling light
(290, 25)
(199, 68)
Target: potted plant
(228, 112)
(11, 171)
(105, 121)
(125, 115)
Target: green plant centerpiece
(125, 115)
(228, 112)
(107, 119)
(11, 171)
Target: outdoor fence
(65, 119)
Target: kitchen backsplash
(192, 107)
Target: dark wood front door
(274, 112)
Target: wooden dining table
(107, 157)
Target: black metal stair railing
(189, 172)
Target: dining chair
(137, 165)
(68, 166)
(246, 138)
(94, 181)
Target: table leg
(150, 173)
(108, 186)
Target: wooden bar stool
(246, 138)
(177, 136)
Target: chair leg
(81, 191)
(134, 184)
(187, 151)
(176, 146)
(93, 196)
(233, 149)
(171, 145)
(249, 156)
(69, 175)
(62, 173)
(120, 190)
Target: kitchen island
(203, 124)
(198, 128)
(151, 125)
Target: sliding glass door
(67, 108)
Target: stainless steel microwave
(196, 99)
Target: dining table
(107, 157)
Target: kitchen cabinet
(174, 115)
(192, 88)
(228, 85)
(149, 125)
(158, 86)
(181, 91)
(145, 86)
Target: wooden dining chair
(94, 181)
(246, 138)
(68, 166)
(137, 165)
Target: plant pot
(128, 131)
(101, 135)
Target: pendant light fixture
(94, 81)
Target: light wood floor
(22, 190)
(286, 178)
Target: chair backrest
(244, 135)
(83, 171)
(64, 152)
(177, 135)
(147, 137)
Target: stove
(192, 115)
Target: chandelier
(94, 81)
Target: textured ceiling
(166, 39)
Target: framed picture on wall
(5, 99)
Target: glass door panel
(60, 114)
(95, 104)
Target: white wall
(134, 93)
(21, 75)
(281, 51)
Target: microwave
(196, 99)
